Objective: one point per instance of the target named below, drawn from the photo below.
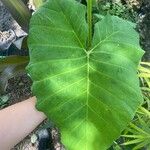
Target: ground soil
(19, 89)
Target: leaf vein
(64, 88)
(62, 73)
(114, 79)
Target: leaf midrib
(87, 54)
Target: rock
(6, 39)
(44, 139)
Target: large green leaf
(91, 95)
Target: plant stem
(89, 20)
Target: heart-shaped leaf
(91, 94)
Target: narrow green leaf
(145, 63)
(148, 81)
(142, 145)
(144, 69)
(133, 136)
(91, 94)
(133, 142)
(145, 89)
(145, 111)
(139, 130)
(12, 60)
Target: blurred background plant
(117, 8)
(137, 134)
(14, 55)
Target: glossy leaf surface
(90, 94)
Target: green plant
(87, 84)
(137, 134)
(11, 66)
(117, 9)
(144, 74)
